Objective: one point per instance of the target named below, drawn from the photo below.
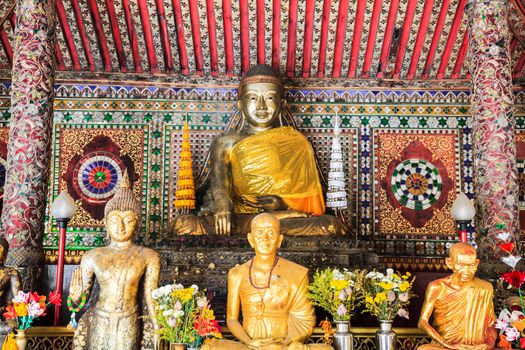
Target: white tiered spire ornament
(336, 196)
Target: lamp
(62, 209)
(463, 212)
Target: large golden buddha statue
(462, 306)
(113, 323)
(266, 167)
(271, 294)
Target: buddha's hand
(75, 288)
(223, 223)
(264, 343)
(266, 202)
(295, 345)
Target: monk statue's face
(121, 225)
(265, 236)
(261, 103)
(464, 265)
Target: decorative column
(493, 125)
(28, 155)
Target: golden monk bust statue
(271, 294)
(266, 167)
(462, 306)
(113, 323)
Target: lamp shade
(462, 208)
(63, 207)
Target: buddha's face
(464, 265)
(121, 225)
(261, 103)
(265, 237)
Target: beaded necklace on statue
(269, 275)
(73, 322)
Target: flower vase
(385, 336)
(177, 346)
(343, 339)
(21, 339)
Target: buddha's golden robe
(279, 311)
(465, 316)
(281, 162)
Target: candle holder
(62, 209)
(463, 212)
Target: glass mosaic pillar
(28, 155)
(492, 108)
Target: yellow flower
(519, 325)
(183, 294)
(339, 284)
(395, 276)
(208, 314)
(404, 286)
(386, 285)
(380, 297)
(406, 276)
(21, 309)
(369, 300)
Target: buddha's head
(463, 261)
(122, 213)
(265, 235)
(261, 96)
(4, 249)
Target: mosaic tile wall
(407, 154)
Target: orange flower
(519, 325)
(503, 342)
(21, 309)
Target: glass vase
(343, 339)
(21, 339)
(385, 336)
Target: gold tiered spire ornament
(185, 193)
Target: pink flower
(177, 306)
(403, 313)
(512, 333)
(341, 310)
(390, 296)
(348, 290)
(342, 295)
(35, 310)
(403, 297)
(172, 321)
(502, 325)
(22, 297)
(202, 302)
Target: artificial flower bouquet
(511, 320)
(27, 307)
(387, 296)
(184, 315)
(336, 291)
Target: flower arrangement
(336, 291)
(510, 322)
(27, 307)
(387, 296)
(184, 315)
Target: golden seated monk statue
(10, 284)
(262, 168)
(462, 305)
(271, 294)
(113, 321)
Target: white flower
(503, 236)
(155, 294)
(337, 275)
(178, 313)
(178, 286)
(167, 313)
(172, 321)
(202, 302)
(512, 334)
(511, 260)
(195, 288)
(389, 272)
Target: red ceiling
(394, 39)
